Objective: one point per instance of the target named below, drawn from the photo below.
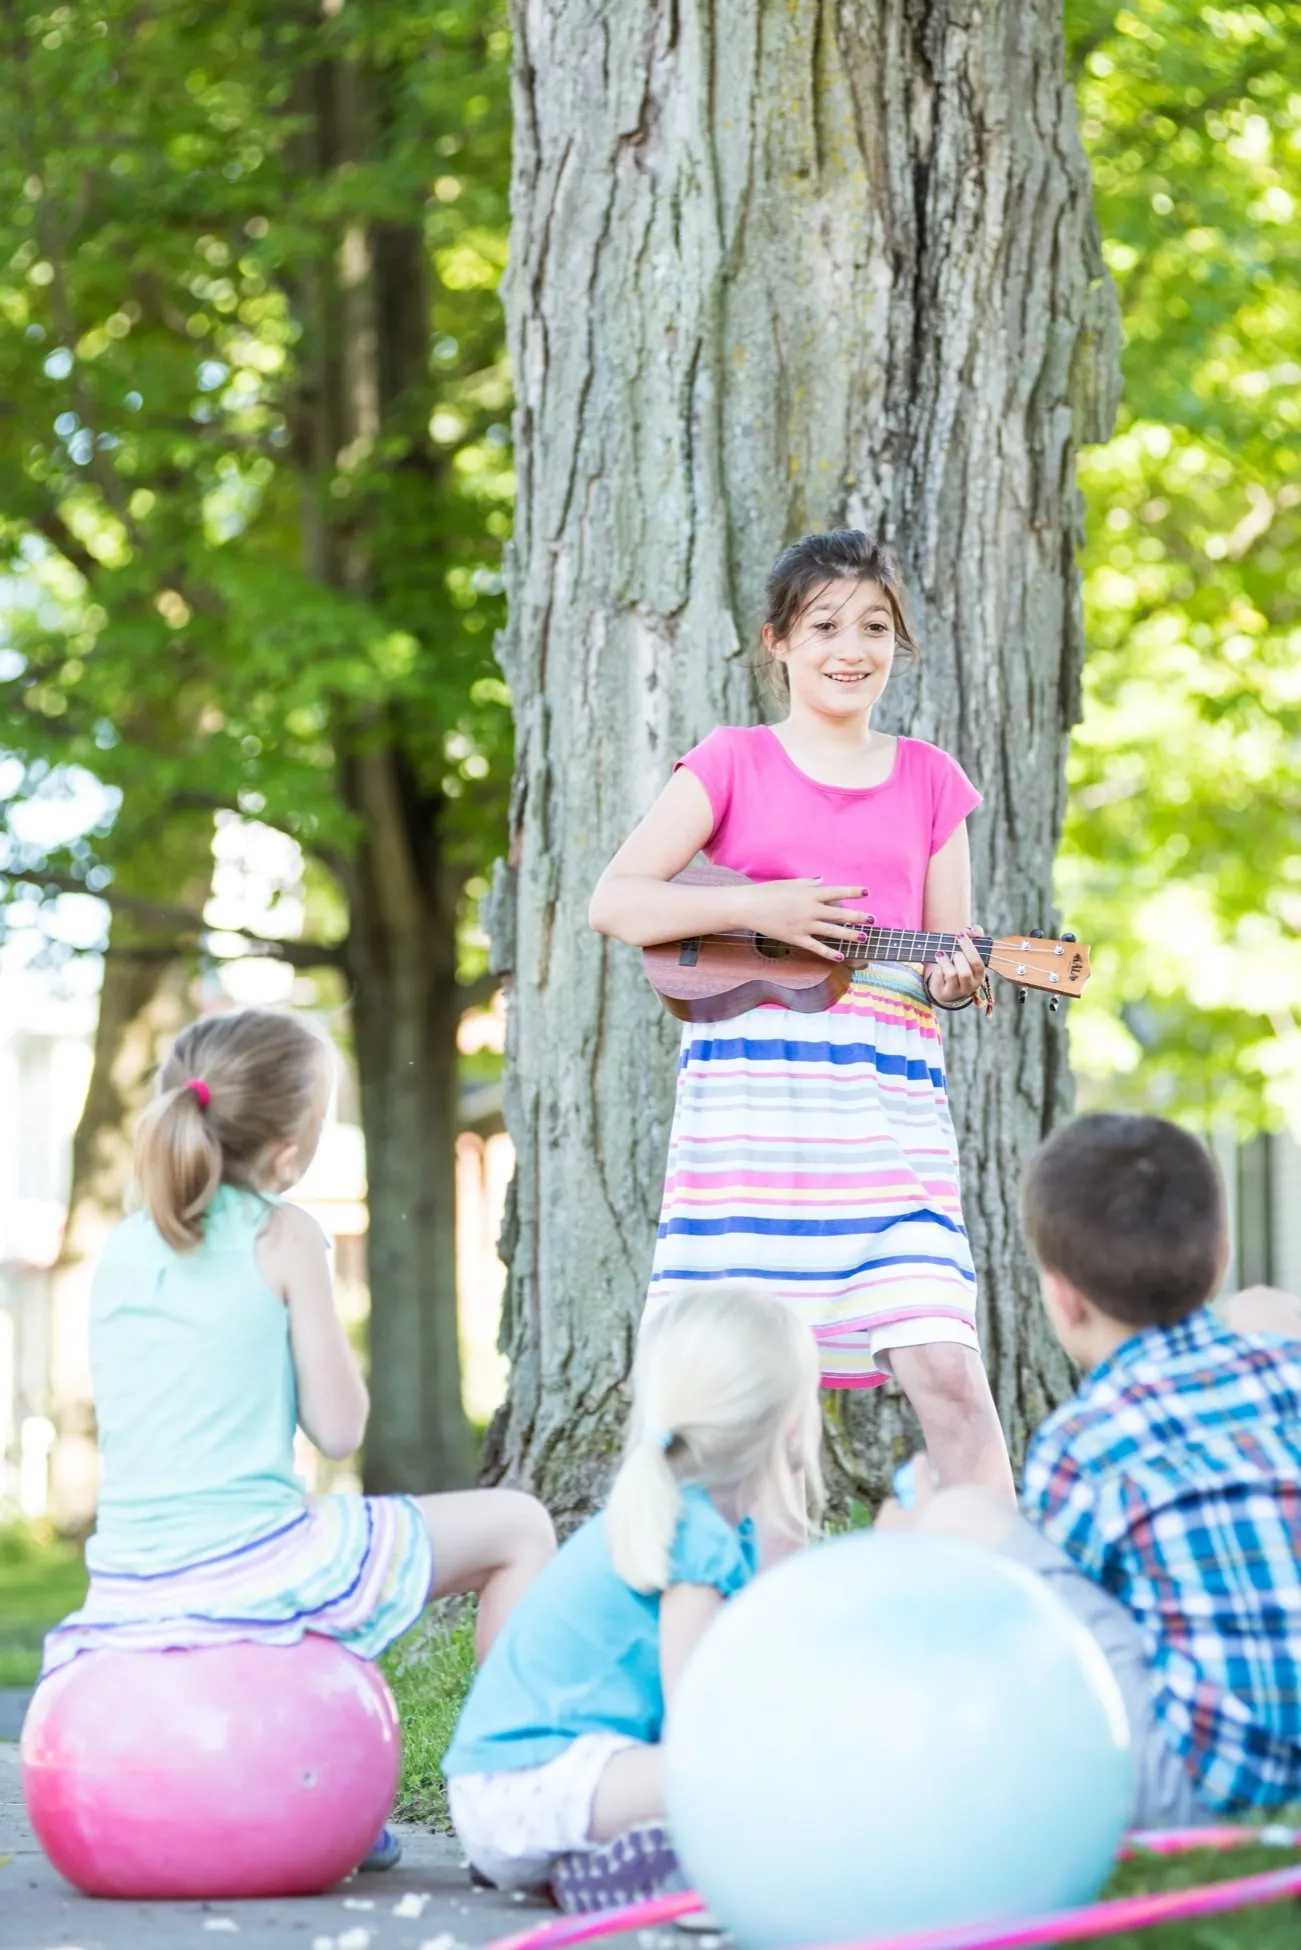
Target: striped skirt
(353, 1568)
(816, 1153)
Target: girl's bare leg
(493, 1542)
(629, 1792)
(949, 1390)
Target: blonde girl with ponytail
(555, 1769)
(213, 1337)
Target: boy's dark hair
(1130, 1210)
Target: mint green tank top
(194, 1392)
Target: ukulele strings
(911, 945)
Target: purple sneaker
(626, 1870)
(386, 1853)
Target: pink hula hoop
(1067, 1926)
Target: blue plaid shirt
(1174, 1480)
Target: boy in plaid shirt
(1163, 1503)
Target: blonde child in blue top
(555, 1768)
(213, 1336)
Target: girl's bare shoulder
(290, 1236)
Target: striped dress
(815, 1152)
(353, 1568)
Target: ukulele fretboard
(909, 944)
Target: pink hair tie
(200, 1089)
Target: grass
(1277, 1927)
(41, 1580)
(430, 1673)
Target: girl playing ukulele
(815, 1153)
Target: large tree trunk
(365, 359)
(405, 1011)
(774, 268)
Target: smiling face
(840, 651)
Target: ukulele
(713, 976)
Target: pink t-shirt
(773, 822)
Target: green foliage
(42, 1579)
(430, 1673)
(188, 244)
(1182, 857)
(1271, 1928)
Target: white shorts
(513, 1824)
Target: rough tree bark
(775, 267)
(365, 318)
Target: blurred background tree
(1182, 855)
(254, 481)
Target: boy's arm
(1261, 1310)
(1058, 1499)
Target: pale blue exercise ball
(893, 1733)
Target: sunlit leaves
(164, 220)
(1182, 858)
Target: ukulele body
(708, 980)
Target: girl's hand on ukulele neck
(953, 978)
(806, 914)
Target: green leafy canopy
(1182, 856)
(169, 220)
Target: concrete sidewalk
(426, 1901)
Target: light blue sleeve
(707, 1550)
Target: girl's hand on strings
(806, 914)
(952, 978)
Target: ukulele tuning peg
(1069, 937)
(1036, 934)
(1023, 995)
(1054, 1004)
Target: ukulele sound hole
(772, 950)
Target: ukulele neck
(911, 945)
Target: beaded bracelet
(950, 1008)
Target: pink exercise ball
(236, 1770)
